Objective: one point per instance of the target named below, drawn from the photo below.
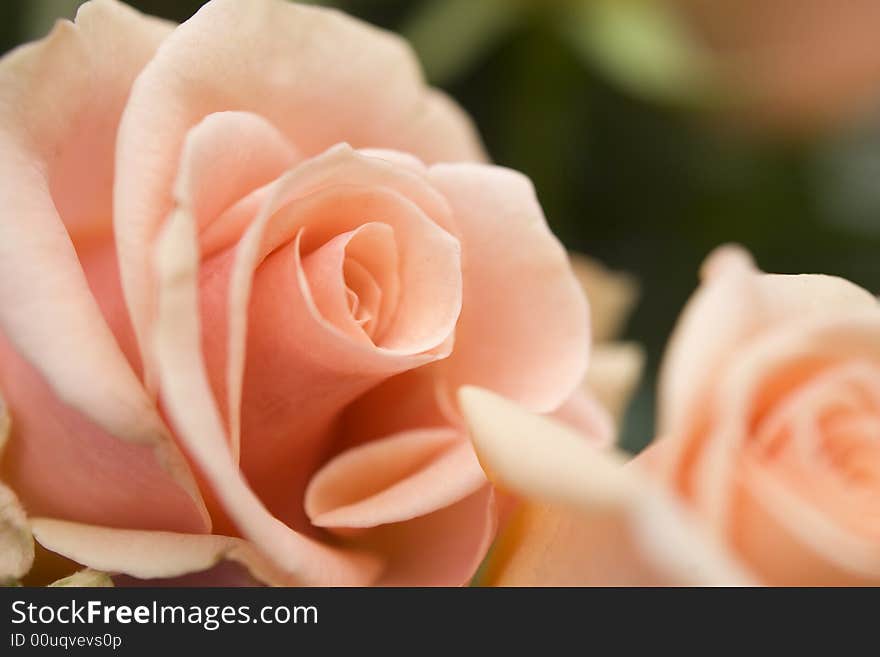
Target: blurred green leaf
(450, 35)
(641, 45)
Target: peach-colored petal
(791, 543)
(319, 76)
(606, 523)
(354, 282)
(815, 337)
(63, 465)
(151, 555)
(61, 101)
(614, 373)
(193, 410)
(224, 574)
(439, 131)
(16, 542)
(226, 157)
(612, 295)
(394, 479)
(443, 548)
(5, 424)
(412, 400)
(525, 337)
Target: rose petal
(443, 548)
(607, 524)
(539, 326)
(615, 370)
(583, 413)
(394, 479)
(61, 101)
(412, 400)
(16, 542)
(150, 554)
(187, 395)
(734, 302)
(790, 543)
(334, 271)
(86, 578)
(226, 157)
(63, 465)
(814, 338)
(319, 76)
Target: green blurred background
(624, 115)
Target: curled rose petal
(150, 555)
(394, 479)
(443, 548)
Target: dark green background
(644, 185)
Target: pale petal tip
(725, 259)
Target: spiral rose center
(353, 281)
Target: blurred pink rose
(770, 413)
(239, 291)
(768, 470)
(794, 65)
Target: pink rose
(768, 469)
(239, 291)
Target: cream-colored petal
(612, 295)
(149, 554)
(85, 578)
(613, 375)
(394, 479)
(16, 542)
